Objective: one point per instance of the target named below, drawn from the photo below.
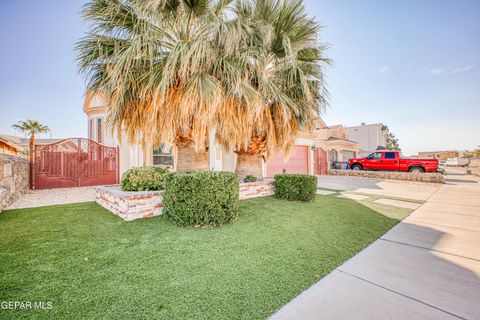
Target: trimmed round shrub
(201, 198)
(250, 178)
(143, 179)
(295, 187)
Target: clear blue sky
(413, 65)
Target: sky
(412, 65)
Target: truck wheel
(416, 170)
(357, 167)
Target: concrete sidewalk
(427, 267)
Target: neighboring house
(371, 137)
(440, 155)
(10, 145)
(20, 146)
(306, 157)
(333, 139)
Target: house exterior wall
(307, 140)
(304, 139)
(217, 157)
(229, 160)
(369, 136)
(130, 155)
(328, 132)
(7, 149)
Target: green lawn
(91, 264)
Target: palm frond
(171, 70)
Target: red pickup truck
(391, 161)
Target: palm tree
(290, 77)
(173, 70)
(31, 128)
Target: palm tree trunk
(189, 160)
(32, 165)
(249, 164)
(250, 161)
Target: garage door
(296, 163)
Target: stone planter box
(256, 189)
(392, 175)
(132, 205)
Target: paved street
(427, 267)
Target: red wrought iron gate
(74, 162)
(321, 165)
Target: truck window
(389, 155)
(376, 155)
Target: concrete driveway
(427, 267)
(48, 197)
(387, 188)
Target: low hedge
(297, 187)
(201, 198)
(143, 179)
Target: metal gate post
(32, 167)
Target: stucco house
(310, 154)
(371, 137)
(333, 139)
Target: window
(389, 155)
(347, 155)
(99, 130)
(90, 129)
(375, 156)
(163, 156)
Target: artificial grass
(92, 265)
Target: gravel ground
(48, 197)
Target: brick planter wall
(14, 179)
(393, 175)
(132, 205)
(257, 189)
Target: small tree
(392, 142)
(476, 152)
